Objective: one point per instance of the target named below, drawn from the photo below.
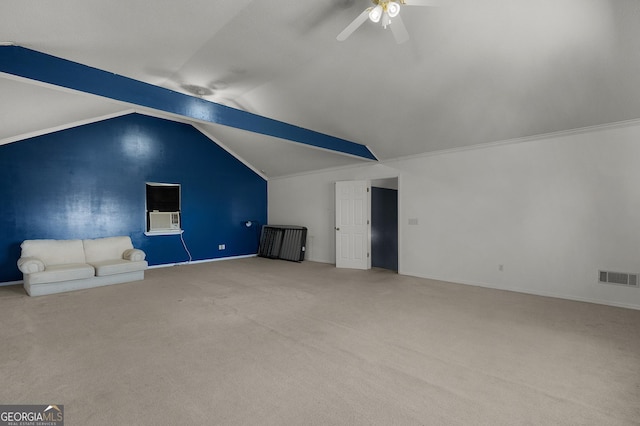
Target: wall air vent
(618, 278)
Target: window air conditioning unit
(164, 221)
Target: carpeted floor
(268, 342)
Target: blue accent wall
(89, 182)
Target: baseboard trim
(470, 283)
(164, 265)
(217, 259)
(534, 293)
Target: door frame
(376, 181)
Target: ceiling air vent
(619, 278)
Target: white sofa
(55, 266)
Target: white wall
(552, 211)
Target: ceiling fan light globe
(393, 9)
(386, 19)
(376, 14)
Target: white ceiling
(473, 72)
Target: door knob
(337, 229)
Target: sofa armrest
(134, 255)
(28, 265)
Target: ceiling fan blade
(354, 25)
(399, 30)
(322, 12)
(419, 2)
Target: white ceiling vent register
(619, 278)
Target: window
(163, 208)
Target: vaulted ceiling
(472, 72)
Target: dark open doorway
(384, 227)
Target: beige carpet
(269, 342)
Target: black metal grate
(620, 278)
(283, 242)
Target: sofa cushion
(54, 252)
(117, 266)
(110, 248)
(57, 273)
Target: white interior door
(353, 243)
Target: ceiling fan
(384, 11)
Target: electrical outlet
(221, 246)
